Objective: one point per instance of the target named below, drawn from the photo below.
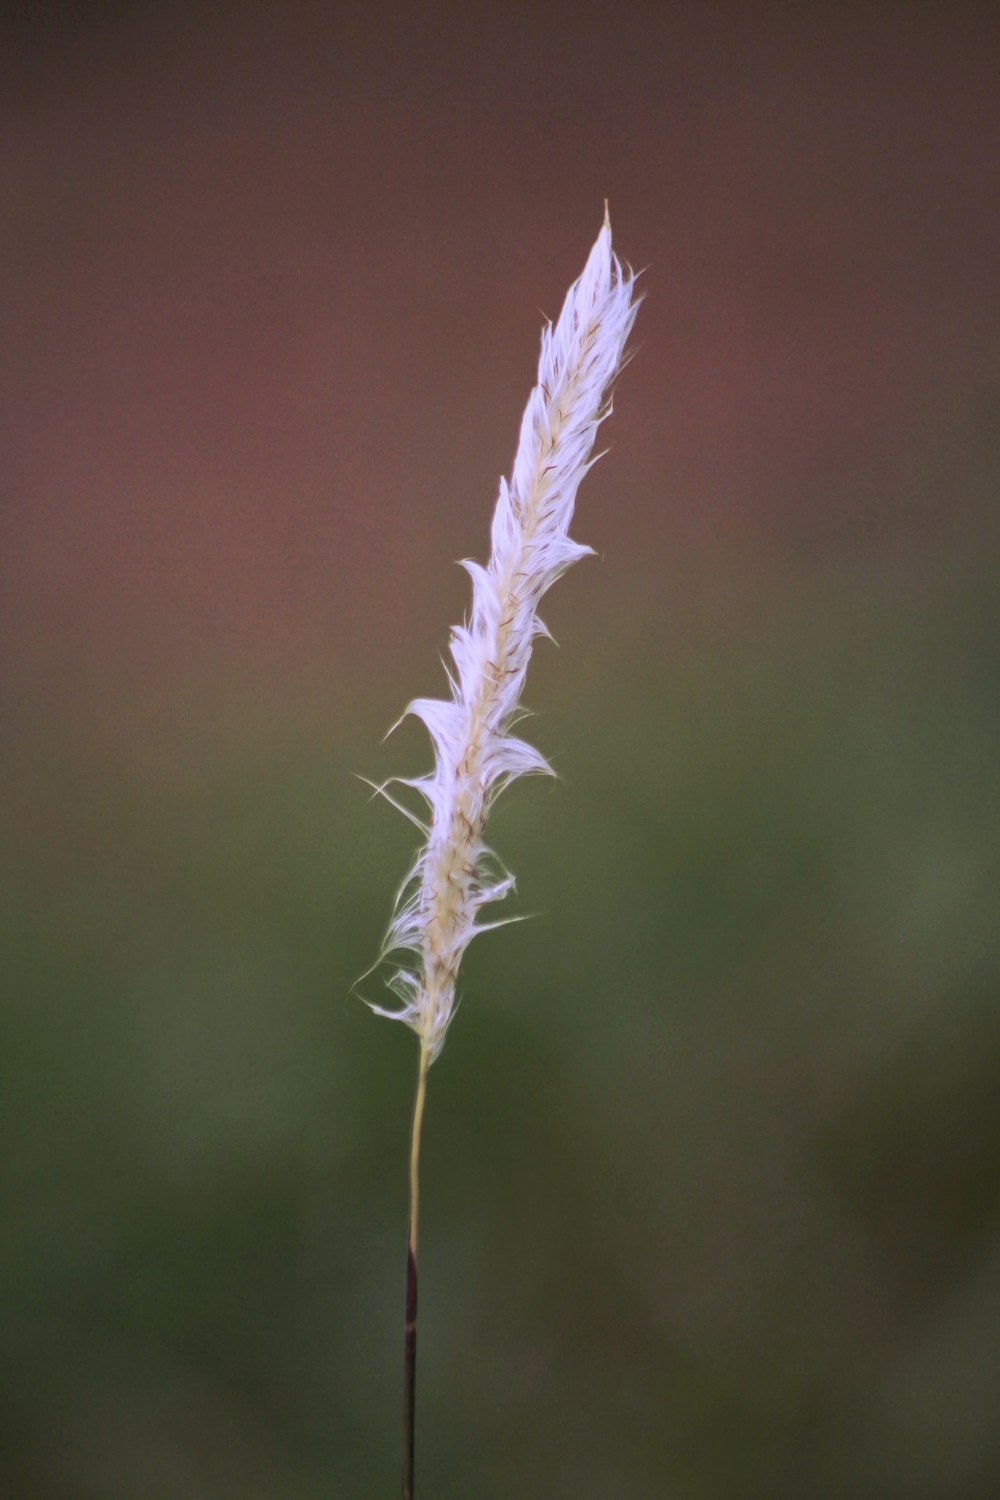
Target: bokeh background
(711, 1159)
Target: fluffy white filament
(455, 875)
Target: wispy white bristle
(455, 874)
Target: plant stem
(410, 1327)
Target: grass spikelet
(476, 754)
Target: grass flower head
(455, 874)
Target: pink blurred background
(275, 274)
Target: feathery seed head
(455, 874)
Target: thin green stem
(410, 1327)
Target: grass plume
(455, 874)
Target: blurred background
(712, 1158)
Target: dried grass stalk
(455, 874)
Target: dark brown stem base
(410, 1372)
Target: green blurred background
(711, 1158)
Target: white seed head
(455, 874)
